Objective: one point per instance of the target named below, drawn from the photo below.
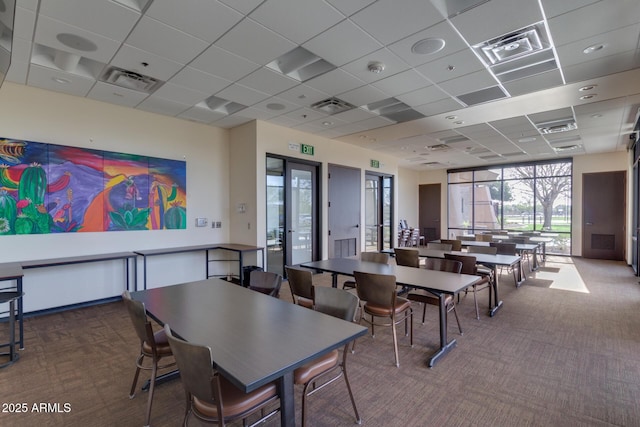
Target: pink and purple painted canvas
(46, 188)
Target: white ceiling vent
(557, 126)
(130, 80)
(332, 106)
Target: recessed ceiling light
(451, 117)
(459, 122)
(118, 94)
(596, 116)
(567, 147)
(327, 123)
(275, 106)
(76, 42)
(593, 48)
(428, 46)
(583, 97)
(61, 80)
(372, 140)
(586, 88)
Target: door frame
(381, 176)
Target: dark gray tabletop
(254, 338)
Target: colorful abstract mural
(47, 188)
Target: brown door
(429, 211)
(603, 215)
(344, 211)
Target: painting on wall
(46, 188)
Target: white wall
(37, 115)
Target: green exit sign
(306, 149)
(375, 163)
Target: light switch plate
(201, 222)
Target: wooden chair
(506, 248)
(425, 298)
(484, 237)
(481, 269)
(456, 244)
(209, 395)
(153, 346)
(381, 301)
(301, 285)
(378, 257)
(266, 282)
(407, 257)
(469, 267)
(321, 372)
(439, 246)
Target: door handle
(357, 225)
(291, 231)
(588, 223)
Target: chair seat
(429, 299)
(305, 302)
(234, 400)
(305, 373)
(162, 345)
(402, 304)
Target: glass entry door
(292, 213)
(378, 212)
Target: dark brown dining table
(439, 283)
(254, 338)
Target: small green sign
(375, 163)
(306, 149)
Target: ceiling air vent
(557, 126)
(439, 147)
(130, 80)
(332, 106)
(394, 109)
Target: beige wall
(407, 197)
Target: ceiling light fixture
(77, 42)
(593, 48)
(584, 97)
(327, 123)
(586, 88)
(428, 46)
(275, 106)
(375, 67)
(451, 117)
(567, 147)
(527, 139)
(596, 116)
(459, 122)
(61, 80)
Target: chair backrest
(456, 245)
(482, 250)
(465, 238)
(138, 315)
(443, 264)
(468, 262)
(484, 237)
(504, 248)
(336, 302)
(377, 289)
(407, 257)
(378, 257)
(519, 239)
(266, 282)
(300, 282)
(195, 364)
(440, 246)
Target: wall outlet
(218, 224)
(201, 222)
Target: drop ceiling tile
(614, 42)
(29, 4)
(231, 121)
(243, 6)
(391, 20)
(401, 83)
(44, 78)
(303, 95)
(131, 58)
(438, 107)
(335, 82)
(311, 18)
(304, 115)
(199, 81)
(259, 113)
(254, 42)
(284, 121)
(496, 18)
(534, 83)
(554, 8)
(21, 50)
(24, 23)
(163, 106)
(423, 96)
(49, 28)
(463, 62)
(180, 94)
(106, 18)
(201, 114)
(610, 15)
(602, 66)
(469, 83)
(268, 81)
(206, 20)
(350, 7)
(354, 115)
(158, 38)
(443, 30)
(392, 65)
(18, 72)
(242, 95)
(112, 94)
(222, 63)
(363, 95)
(353, 43)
